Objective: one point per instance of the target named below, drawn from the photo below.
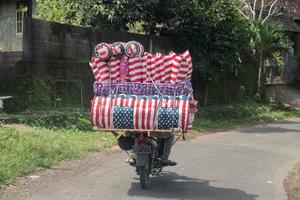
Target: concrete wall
(7, 69)
(54, 41)
(292, 69)
(59, 54)
(9, 40)
(283, 94)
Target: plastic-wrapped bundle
(140, 112)
(156, 68)
(182, 88)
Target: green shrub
(60, 120)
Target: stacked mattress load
(141, 91)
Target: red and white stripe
(167, 66)
(94, 69)
(114, 65)
(186, 68)
(175, 69)
(136, 70)
(100, 70)
(145, 111)
(148, 57)
(157, 63)
(120, 100)
(184, 114)
(154, 67)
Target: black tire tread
(144, 177)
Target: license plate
(141, 149)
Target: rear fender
(142, 159)
(143, 152)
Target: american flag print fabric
(186, 67)
(123, 117)
(158, 68)
(136, 69)
(100, 70)
(167, 117)
(141, 112)
(182, 88)
(114, 65)
(140, 90)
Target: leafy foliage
(154, 14)
(77, 12)
(215, 33)
(58, 120)
(112, 15)
(268, 40)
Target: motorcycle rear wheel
(144, 176)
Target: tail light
(140, 140)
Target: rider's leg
(167, 151)
(168, 146)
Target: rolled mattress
(140, 112)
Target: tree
(154, 15)
(216, 35)
(266, 39)
(76, 12)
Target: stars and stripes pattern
(140, 112)
(167, 118)
(171, 68)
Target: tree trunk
(261, 63)
(206, 95)
(151, 37)
(150, 43)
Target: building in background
(12, 16)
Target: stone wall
(9, 39)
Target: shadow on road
(285, 122)
(268, 129)
(170, 185)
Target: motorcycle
(145, 151)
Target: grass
(23, 149)
(227, 116)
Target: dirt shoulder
(292, 184)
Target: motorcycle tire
(144, 176)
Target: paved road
(244, 164)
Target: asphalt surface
(244, 164)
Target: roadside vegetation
(213, 118)
(24, 149)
